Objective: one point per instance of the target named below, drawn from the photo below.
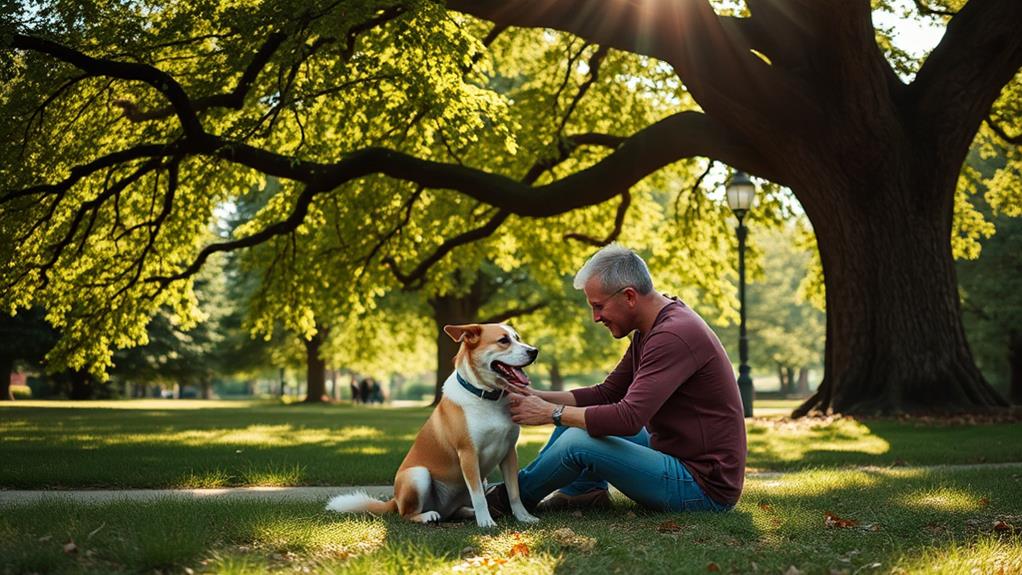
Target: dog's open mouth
(512, 374)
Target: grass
(182, 443)
(909, 521)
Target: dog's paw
(526, 517)
(427, 517)
(485, 522)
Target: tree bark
(803, 381)
(895, 340)
(452, 310)
(556, 378)
(6, 367)
(315, 368)
(82, 386)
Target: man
(666, 427)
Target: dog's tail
(360, 501)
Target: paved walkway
(322, 494)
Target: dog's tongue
(520, 376)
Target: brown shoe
(593, 499)
(498, 501)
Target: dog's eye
(505, 340)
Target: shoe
(593, 499)
(498, 501)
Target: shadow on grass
(906, 520)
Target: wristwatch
(556, 415)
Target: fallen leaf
(519, 549)
(565, 537)
(576, 514)
(712, 567)
(872, 527)
(830, 521)
(766, 507)
(468, 552)
(984, 502)
(668, 527)
(1001, 526)
(792, 571)
(70, 547)
(631, 515)
(45, 538)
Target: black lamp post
(740, 192)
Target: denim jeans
(574, 462)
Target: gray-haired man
(665, 427)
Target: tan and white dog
(468, 435)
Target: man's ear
(469, 332)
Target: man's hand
(530, 410)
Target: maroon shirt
(677, 381)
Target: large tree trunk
(452, 310)
(315, 368)
(803, 381)
(556, 378)
(82, 385)
(6, 367)
(895, 341)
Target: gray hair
(617, 267)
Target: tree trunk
(315, 368)
(781, 385)
(556, 379)
(207, 389)
(1015, 362)
(895, 341)
(6, 367)
(453, 310)
(81, 385)
(803, 381)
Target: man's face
(616, 310)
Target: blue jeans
(574, 462)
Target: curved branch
(619, 221)
(958, 83)
(161, 81)
(926, 10)
(235, 99)
(513, 313)
(997, 129)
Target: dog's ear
(469, 332)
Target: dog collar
(492, 395)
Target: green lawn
(908, 521)
(166, 443)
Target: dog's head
(491, 355)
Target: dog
(467, 436)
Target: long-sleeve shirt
(677, 381)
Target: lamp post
(740, 192)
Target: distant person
(354, 392)
(363, 390)
(377, 392)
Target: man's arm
(556, 397)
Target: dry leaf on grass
(565, 537)
(833, 521)
(766, 507)
(984, 501)
(70, 547)
(668, 527)
(519, 549)
(712, 567)
(792, 571)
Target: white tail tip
(355, 502)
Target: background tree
(798, 93)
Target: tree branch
(513, 313)
(161, 81)
(963, 76)
(997, 129)
(235, 99)
(619, 220)
(926, 10)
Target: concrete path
(322, 494)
